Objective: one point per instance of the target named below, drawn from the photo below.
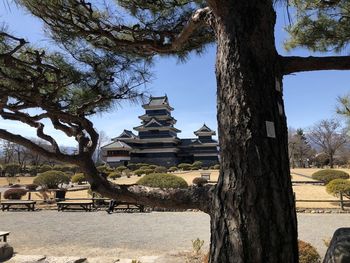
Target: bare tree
(299, 149)
(8, 151)
(328, 135)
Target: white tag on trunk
(270, 129)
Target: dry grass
(302, 191)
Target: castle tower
(205, 148)
(157, 135)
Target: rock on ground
(6, 251)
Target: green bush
(121, 168)
(67, 168)
(114, 175)
(199, 181)
(44, 168)
(33, 170)
(11, 169)
(194, 168)
(144, 167)
(104, 169)
(216, 166)
(337, 186)
(78, 178)
(15, 193)
(197, 164)
(51, 179)
(152, 166)
(328, 175)
(184, 166)
(160, 169)
(307, 253)
(163, 181)
(139, 172)
(148, 171)
(172, 169)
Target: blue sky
(191, 87)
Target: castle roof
(116, 145)
(158, 103)
(125, 134)
(204, 131)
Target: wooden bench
(129, 207)
(206, 175)
(78, 205)
(15, 204)
(4, 235)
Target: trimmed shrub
(51, 179)
(139, 172)
(11, 169)
(307, 253)
(163, 181)
(216, 166)
(104, 169)
(148, 171)
(44, 168)
(31, 187)
(15, 193)
(144, 167)
(67, 168)
(337, 186)
(160, 169)
(114, 175)
(121, 168)
(194, 168)
(172, 169)
(78, 178)
(199, 181)
(152, 166)
(328, 175)
(197, 164)
(184, 166)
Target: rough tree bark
(253, 215)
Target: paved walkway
(132, 235)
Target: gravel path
(131, 235)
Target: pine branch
(300, 64)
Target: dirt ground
(302, 191)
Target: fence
(341, 200)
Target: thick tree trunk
(253, 213)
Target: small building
(157, 141)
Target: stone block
(339, 248)
(6, 251)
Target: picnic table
(15, 204)
(75, 205)
(4, 235)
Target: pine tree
(252, 207)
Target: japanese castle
(157, 141)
